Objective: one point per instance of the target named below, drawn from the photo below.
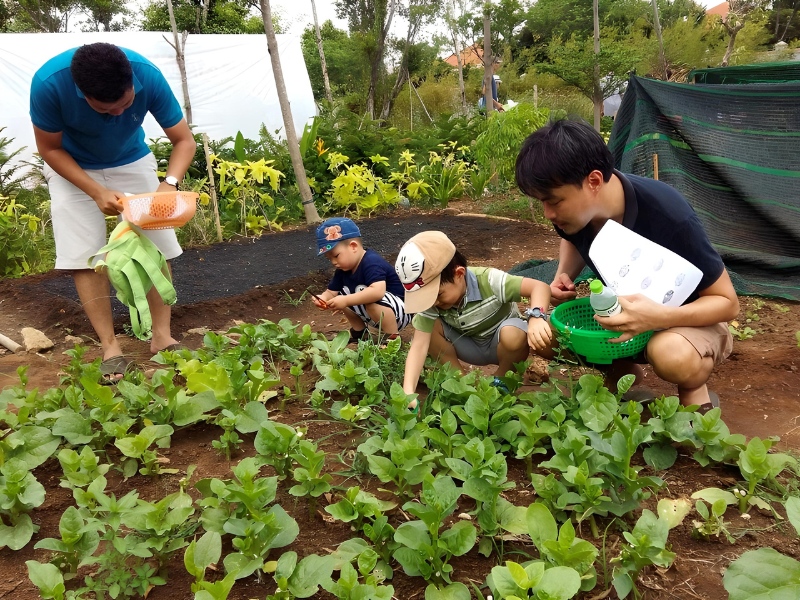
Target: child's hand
(337, 303)
(540, 335)
(319, 303)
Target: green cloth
(134, 265)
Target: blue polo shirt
(660, 213)
(95, 140)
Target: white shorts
(79, 228)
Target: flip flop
(642, 395)
(176, 347)
(704, 408)
(173, 348)
(116, 365)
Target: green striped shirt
(490, 299)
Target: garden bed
(759, 387)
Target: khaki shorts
(79, 228)
(714, 341)
(480, 351)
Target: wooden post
(488, 59)
(212, 187)
(535, 96)
(655, 167)
(9, 343)
(425, 108)
(410, 106)
(325, 79)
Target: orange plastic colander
(160, 210)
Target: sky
(296, 14)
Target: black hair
(101, 71)
(562, 152)
(448, 274)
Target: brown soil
(759, 387)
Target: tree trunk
(788, 23)
(597, 95)
(325, 79)
(312, 216)
(488, 59)
(178, 46)
(402, 71)
(661, 57)
(377, 59)
(733, 32)
(457, 48)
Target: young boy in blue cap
(364, 287)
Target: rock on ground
(34, 340)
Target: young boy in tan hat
(467, 313)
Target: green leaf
(312, 571)
(505, 584)
(460, 538)
(512, 518)
(250, 420)
(763, 574)
(207, 550)
(559, 583)
(74, 428)
(413, 534)
(660, 456)
(47, 578)
(793, 512)
(541, 524)
(711, 495)
(454, 591)
(191, 409)
(17, 536)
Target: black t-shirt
(660, 213)
(373, 267)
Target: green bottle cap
(596, 286)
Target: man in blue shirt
(87, 106)
(568, 166)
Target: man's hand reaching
(108, 201)
(562, 289)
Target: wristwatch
(171, 180)
(536, 312)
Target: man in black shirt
(568, 167)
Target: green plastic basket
(584, 336)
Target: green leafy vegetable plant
(79, 539)
(646, 545)
(534, 580)
(759, 467)
(20, 493)
(311, 481)
(424, 549)
(765, 572)
(299, 580)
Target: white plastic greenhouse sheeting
(231, 86)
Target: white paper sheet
(632, 264)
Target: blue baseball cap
(333, 231)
